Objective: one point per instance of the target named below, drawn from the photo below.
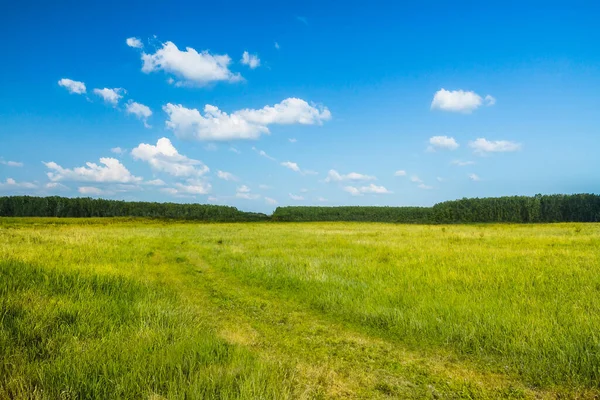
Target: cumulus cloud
(459, 101)
(190, 66)
(296, 197)
(214, 124)
(110, 171)
(334, 176)
(192, 187)
(156, 182)
(372, 188)
(251, 60)
(291, 165)
(461, 163)
(11, 163)
(117, 150)
(442, 142)
(134, 42)
(243, 192)
(400, 172)
(111, 96)
(141, 111)
(474, 177)
(72, 86)
(164, 157)
(92, 191)
(227, 176)
(482, 145)
(10, 183)
(271, 201)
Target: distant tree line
(354, 213)
(27, 206)
(515, 209)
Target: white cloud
(262, 153)
(111, 96)
(291, 165)
(295, 197)
(334, 176)
(372, 188)
(10, 183)
(55, 186)
(415, 179)
(189, 123)
(459, 101)
(92, 191)
(400, 172)
(112, 172)
(165, 157)
(271, 201)
(292, 140)
(211, 147)
(461, 163)
(482, 146)
(243, 192)
(72, 86)
(134, 42)
(264, 187)
(424, 186)
(352, 190)
(474, 177)
(117, 150)
(141, 111)
(227, 176)
(322, 199)
(194, 187)
(489, 100)
(277, 45)
(251, 60)
(190, 66)
(11, 163)
(233, 149)
(155, 182)
(442, 142)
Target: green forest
(511, 209)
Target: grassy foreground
(105, 308)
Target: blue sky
(377, 103)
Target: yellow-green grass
(109, 308)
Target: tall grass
(139, 309)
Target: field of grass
(108, 308)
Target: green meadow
(143, 309)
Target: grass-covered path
(138, 309)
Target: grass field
(107, 308)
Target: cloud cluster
(482, 145)
(334, 176)
(110, 171)
(459, 101)
(251, 60)
(190, 66)
(110, 96)
(372, 188)
(164, 157)
(214, 124)
(72, 86)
